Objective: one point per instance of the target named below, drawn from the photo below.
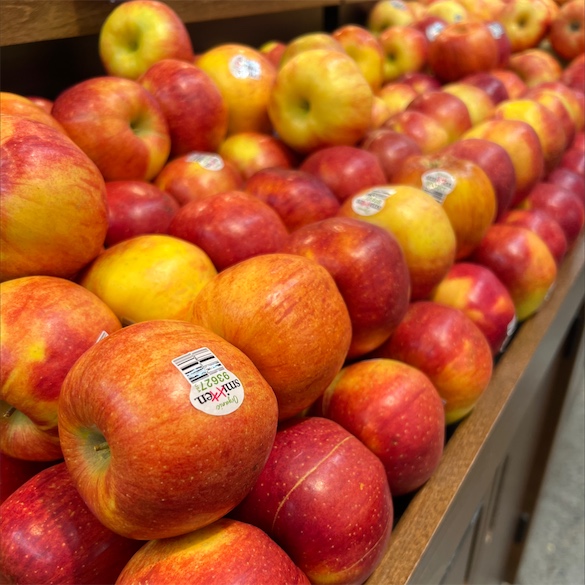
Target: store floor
(555, 549)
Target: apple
(522, 144)
(514, 84)
(297, 196)
(395, 410)
(430, 25)
(446, 108)
(420, 81)
(369, 269)
(569, 98)
(385, 14)
(545, 123)
(273, 51)
(13, 104)
(405, 51)
(573, 74)
(391, 148)
(568, 179)
(461, 187)
(118, 124)
(574, 160)
(192, 104)
(479, 103)
(451, 11)
(418, 222)
(345, 169)
(136, 208)
(479, 293)
(287, 315)
(152, 276)
(54, 212)
(566, 34)
(462, 48)
(323, 496)
(194, 558)
(49, 535)
(535, 66)
(15, 472)
(543, 225)
(492, 85)
(365, 49)
(495, 162)
(561, 204)
(502, 40)
(47, 323)
(526, 23)
(579, 141)
(230, 227)
(396, 96)
(555, 103)
(164, 428)
(449, 348)
(320, 98)
(426, 131)
(198, 174)
(41, 101)
(137, 34)
(307, 42)
(245, 77)
(522, 261)
(380, 113)
(250, 152)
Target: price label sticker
(438, 184)
(371, 202)
(214, 389)
(243, 68)
(206, 160)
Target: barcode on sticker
(198, 364)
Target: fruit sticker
(243, 68)
(510, 329)
(438, 184)
(206, 160)
(371, 202)
(214, 389)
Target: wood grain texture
(25, 21)
(428, 533)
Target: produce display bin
(469, 522)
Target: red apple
(523, 146)
(430, 24)
(198, 174)
(479, 293)
(273, 51)
(370, 270)
(136, 208)
(345, 169)
(543, 225)
(41, 101)
(250, 152)
(118, 124)
(515, 87)
(13, 104)
(561, 204)
(522, 261)
(15, 472)
(230, 227)
(419, 223)
(574, 74)
(569, 180)
(429, 134)
(299, 197)
(566, 35)
(574, 160)
(137, 34)
(535, 66)
(461, 187)
(447, 346)
(152, 276)
(194, 108)
(324, 497)
(478, 101)
(462, 48)
(503, 41)
(495, 162)
(164, 427)
(391, 148)
(568, 96)
(54, 213)
(420, 81)
(194, 558)
(446, 108)
(47, 523)
(47, 323)
(395, 410)
(282, 311)
(491, 84)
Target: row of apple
(295, 323)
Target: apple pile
(245, 291)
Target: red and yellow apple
(13, 104)
(526, 23)
(426, 131)
(566, 35)
(479, 103)
(397, 96)
(385, 14)
(404, 49)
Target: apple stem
(101, 446)
(9, 412)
